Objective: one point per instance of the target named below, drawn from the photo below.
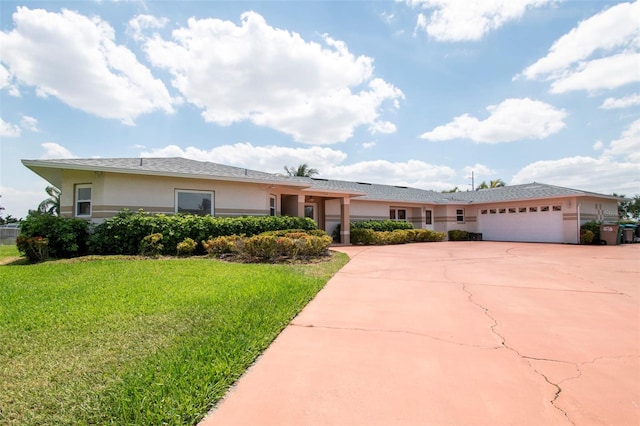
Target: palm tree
(498, 183)
(302, 170)
(52, 204)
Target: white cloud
(598, 145)
(511, 120)
(139, 23)
(76, 59)
(367, 145)
(317, 93)
(627, 146)
(9, 130)
(6, 82)
(480, 171)
(612, 36)
(55, 151)
(265, 158)
(469, 20)
(18, 201)
(617, 169)
(579, 172)
(414, 173)
(625, 102)
(382, 127)
(29, 123)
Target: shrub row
(271, 245)
(374, 225)
(131, 233)
(458, 235)
(123, 233)
(398, 236)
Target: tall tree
(52, 204)
(302, 170)
(497, 183)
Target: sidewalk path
(464, 333)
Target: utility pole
(473, 182)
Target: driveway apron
(457, 333)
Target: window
(512, 209)
(428, 217)
(557, 208)
(483, 211)
(544, 208)
(83, 200)
(309, 211)
(459, 215)
(522, 210)
(533, 209)
(194, 202)
(493, 211)
(502, 211)
(272, 206)
(398, 214)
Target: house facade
(96, 189)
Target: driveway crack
(525, 358)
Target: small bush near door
(458, 235)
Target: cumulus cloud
(140, 23)
(601, 52)
(511, 120)
(9, 130)
(627, 146)
(367, 145)
(18, 201)
(468, 20)
(76, 59)
(6, 82)
(617, 169)
(316, 92)
(625, 102)
(265, 158)
(29, 123)
(53, 150)
(480, 171)
(329, 162)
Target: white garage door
(540, 224)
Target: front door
(311, 211)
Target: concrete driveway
(465, 333)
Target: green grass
(144, 342)
(8, 251)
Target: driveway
(465, 333)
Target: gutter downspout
(579, 204)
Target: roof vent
(322, 179)
(364, 183)
(402, 187)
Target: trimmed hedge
(458, 235)
(270, 246)
(122, 233)
(374, 225)
(367, 236)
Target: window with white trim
(459, 215)
(398, 214)
(83, 200)
(194, 202)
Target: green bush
(594, 227)
(586, 236)
(151, 245)
(458, 235)
(222, 245)
(261, 247)
(36, 249)
(186, 247)
(380, 225)
(66, 237)
(122, 233)
(426, 235)
(363, 236)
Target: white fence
(8, 235)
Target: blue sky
(417, 93)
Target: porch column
(345, 217)
(301, 199)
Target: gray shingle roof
(365, 191)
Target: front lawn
(145, 342)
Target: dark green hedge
(374, 225)
(122, 233)
(65, 237)
(367, 236)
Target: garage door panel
(540, 226)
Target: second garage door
(541, 224)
